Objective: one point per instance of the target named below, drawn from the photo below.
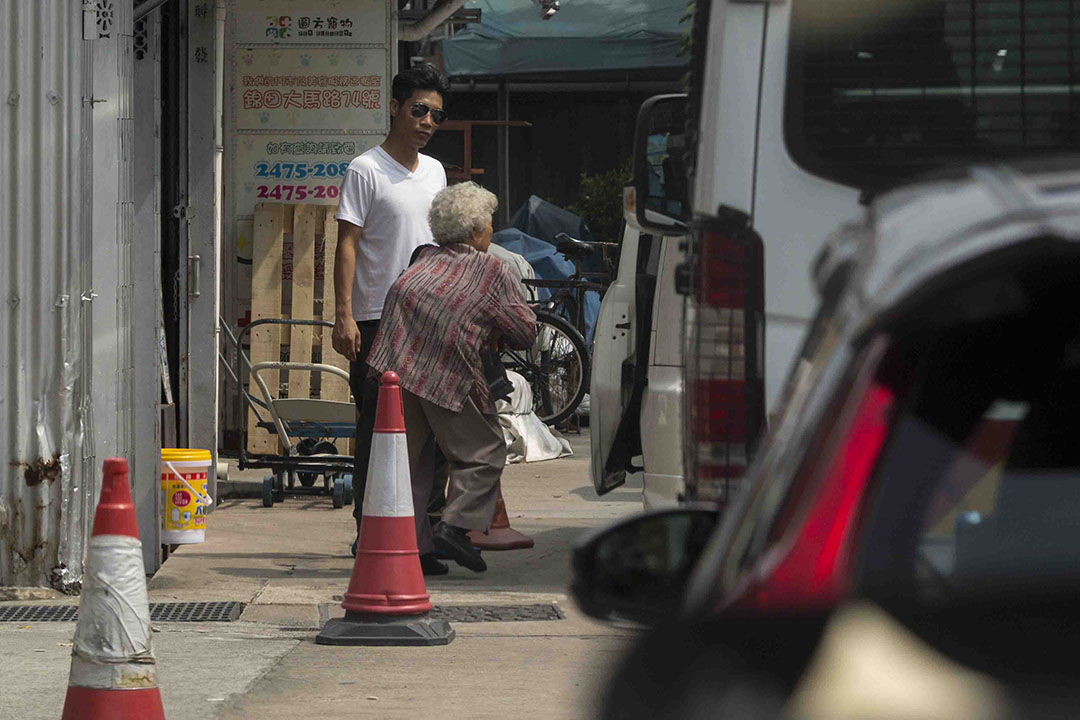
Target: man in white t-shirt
(382, 217)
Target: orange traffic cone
(112, 664)
(500, 536)
(387, 601)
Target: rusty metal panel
(47, 483)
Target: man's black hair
(422, 77)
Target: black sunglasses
(419, 110)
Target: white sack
(527, 438)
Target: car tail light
(724, 379)
(809, 567)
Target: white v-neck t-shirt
(391, 204)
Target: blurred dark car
(926, 459)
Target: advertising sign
(294, 88)
(286, 22)
(294, 168)
(308, 90)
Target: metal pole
(503, 110)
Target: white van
(798, 112)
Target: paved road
(290, 564)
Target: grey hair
(460, 210)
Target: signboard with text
(278, 89)
(285, 22)
(295, 168)
(308, 87)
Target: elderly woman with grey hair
(453, 302)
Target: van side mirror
(639, 567)
(659, 193)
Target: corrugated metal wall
(46, 451)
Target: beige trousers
(475, 452)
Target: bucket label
(182, 509)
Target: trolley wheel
(268, 491)
(339, 493)
(347, 481)
(279, 486)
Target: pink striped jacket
(439, 314)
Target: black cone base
(371, 629)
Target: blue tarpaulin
(541, 219)
(532, 234)
(585, 35)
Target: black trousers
(365, 391)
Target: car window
(1009, 503)
(979, 487)
(881, 91)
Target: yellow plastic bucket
(183, 495)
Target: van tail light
(810, 565)
(724, 383)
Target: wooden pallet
(293, 277)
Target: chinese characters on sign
(309, 84)
(281, 27)
(279, 89)
(313, 99)
(283, 22)
(296, 168)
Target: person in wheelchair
(450, 306)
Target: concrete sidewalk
(290, 564)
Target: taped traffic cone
(112, 664)
(500, 536)
(387, 601)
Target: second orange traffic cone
(500, 536)
(387, 600)
(113, 675)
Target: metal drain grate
(159, 612)
(38, 613)
(495, 613)
(195, 611)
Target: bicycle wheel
(557, 368)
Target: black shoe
(456, 544)
(432, 565)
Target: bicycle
(557, 366)
(568, 294)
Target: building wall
(68, 284)
(46, 453)
(199, 365)
(146, 258)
